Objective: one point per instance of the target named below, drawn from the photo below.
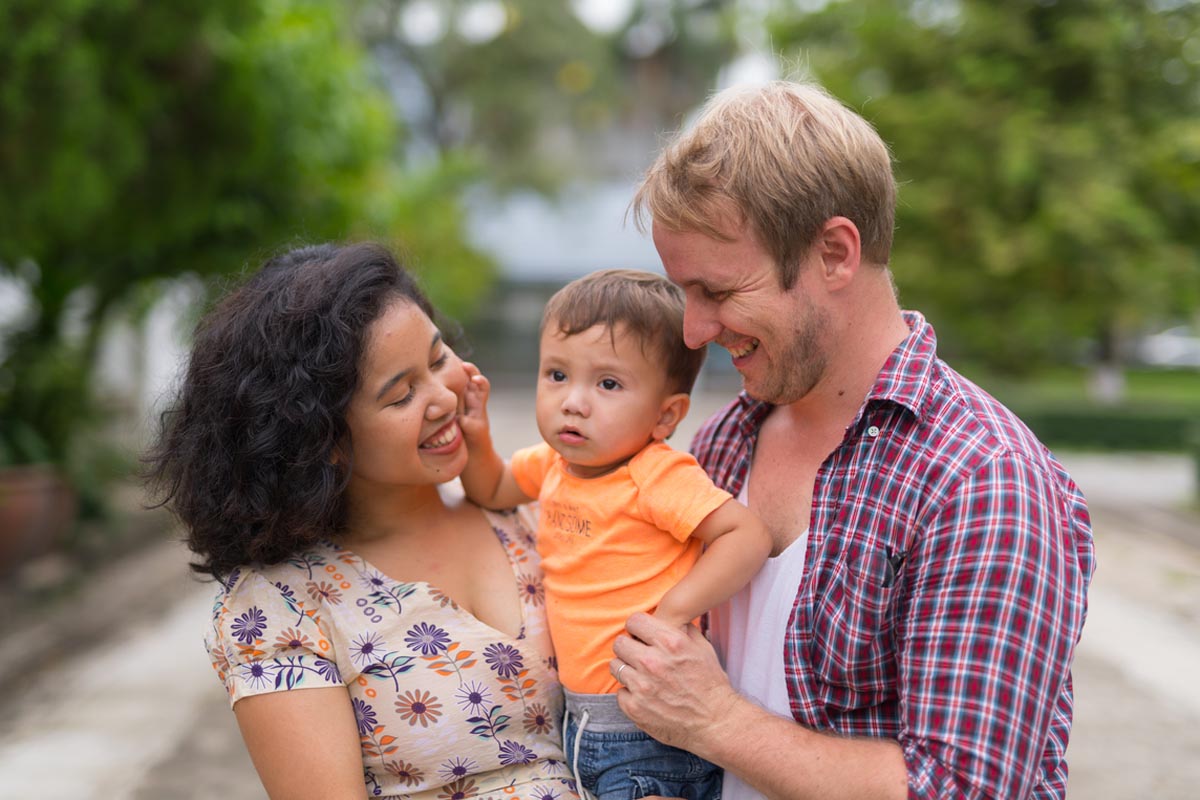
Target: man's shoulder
(723, 427)
(960, 406)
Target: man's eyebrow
(399, 376)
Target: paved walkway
(120, 701)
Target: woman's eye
(403, 401)
(440, 362)
(609, 384)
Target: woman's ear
(337, 456)
(674, 408)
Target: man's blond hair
(784, 158)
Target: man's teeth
(444, 438)
(744, 350)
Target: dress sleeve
(674, 493)
(997, 608)
(530, 465)
(262, 641)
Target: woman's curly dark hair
(243, 456)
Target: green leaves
(1047, 190)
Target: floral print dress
(447, 707)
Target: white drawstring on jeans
(584, 794)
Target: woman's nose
(451, 385)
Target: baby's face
(599, 397)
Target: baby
(627, 524)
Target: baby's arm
(487, 480)
(736, 545)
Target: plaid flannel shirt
(945, 581)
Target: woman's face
(403, 418)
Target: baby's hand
(474, 419)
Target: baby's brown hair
(648, 305)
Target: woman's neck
(397, 512)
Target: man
(913, 632)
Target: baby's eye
(609, 384)
(557, 375)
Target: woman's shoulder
(514, 527)
(283, 577)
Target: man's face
(776, 336)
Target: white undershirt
(748, 632)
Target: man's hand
(674, 687)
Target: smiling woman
(358, 601)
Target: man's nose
(700, 324)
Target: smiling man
(913, 632)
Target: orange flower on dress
(323, 590)
(537, 719)
(461, 788)
(294, 638)
(420, 707)
(408, 774)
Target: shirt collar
(907, 375)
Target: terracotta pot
(37, 508)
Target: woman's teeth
(445, 437)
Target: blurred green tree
(1049, 154)
(143, 140)
(535, 94)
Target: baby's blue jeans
(614, 760)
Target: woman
(371, 629)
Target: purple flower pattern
(249, 626)
(327, 618)
(429, 639)
(367, 648)
(515, 753)
(504, 659)
(365, 715)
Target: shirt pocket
(853, 633)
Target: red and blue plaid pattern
(945, 584)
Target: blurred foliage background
(1049, 152)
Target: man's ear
(672, 411)
(840, 247)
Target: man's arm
(996, 607)
(676, 691)
(737, 544)
(486, 480)
(996, 603)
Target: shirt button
(873, 431)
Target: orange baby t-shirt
(611, 546)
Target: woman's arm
(304, 743)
